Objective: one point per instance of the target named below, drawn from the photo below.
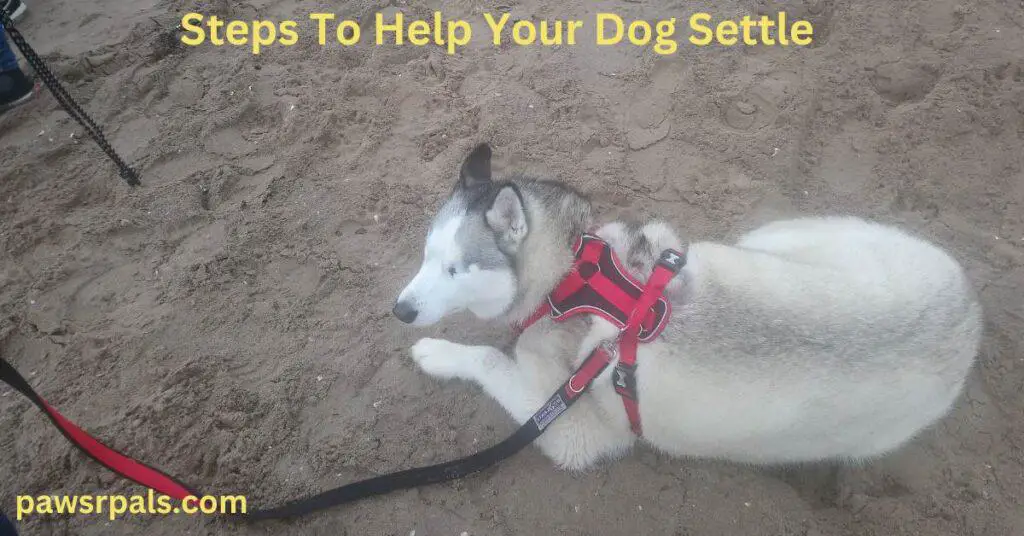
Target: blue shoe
(6, 527)
(15, 89)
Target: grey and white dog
(808, 340)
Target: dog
(809, 340)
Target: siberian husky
(815, 339)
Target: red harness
(598, 284)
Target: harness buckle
(672, 260)
(624, 380)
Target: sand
(229, 320)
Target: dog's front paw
(439, 358)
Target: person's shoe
(15, 89)
(6, 527)
(14, 8)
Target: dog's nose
(405, 312)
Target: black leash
(411, 478)
(556, 405)
(65, 99)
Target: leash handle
(117, 462)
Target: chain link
(65, 99)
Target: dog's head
(469, 257)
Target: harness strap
(625, 370)
(541, 312)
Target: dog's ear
(476, 168)
(507, 217)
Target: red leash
(121, 464)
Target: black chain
(65, 100)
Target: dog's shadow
(837, 485)
(820, 485)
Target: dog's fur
(810, 339)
